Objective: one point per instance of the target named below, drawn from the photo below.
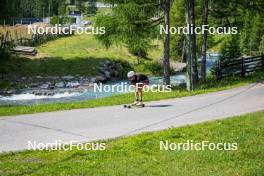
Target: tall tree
(192, 73)
(166, 49)
(177, 41)
(204, 40)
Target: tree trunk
(204, 41)
(189, 79)
(191, 45)
(166, 49)
(183, 52)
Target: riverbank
(212, 85)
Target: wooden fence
(12, 36)
(241, 66)
(35, 40)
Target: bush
(138, 50)
(4, 53)
(124, 69)
(230, 48)
(5, 48)
(54, 20)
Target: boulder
(73, 84)
(12, 91)
(85, 83)
(60, 85)
(50, 93)
(39, 77)
(38, 93)
(107, 74)
(34, 85)
(100, 78)
(44, 86)
(93, 79)
(115, 74)
(108, 62)
(105, 63)
(85, 79)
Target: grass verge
(77, 55)
(141, 154)
(87, 46)
(212, 85)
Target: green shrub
(54, 20)
(138, 50)
(5, 48)
(230, 48)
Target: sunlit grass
(87, 46)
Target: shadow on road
(157, 106)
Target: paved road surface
(109, 122)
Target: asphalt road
(83, 125)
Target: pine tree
(132, 23)
(177, 18)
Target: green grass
(55, 66)
(81, 46)
(212, 85)
(87, 46)
(140, 154)
(74, 55)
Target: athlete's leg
(140, 93)
(136, 97)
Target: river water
(28, 98)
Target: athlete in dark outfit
(139, 81)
